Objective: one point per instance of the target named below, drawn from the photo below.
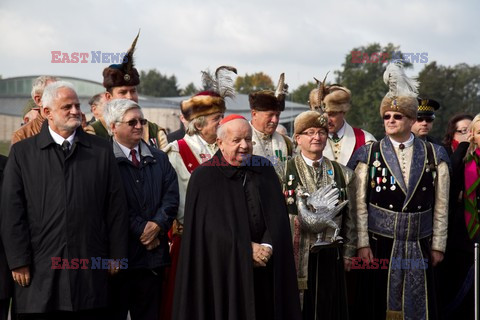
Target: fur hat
(333, 98)
(268, 100)
(124, 74)
(402, 94)
(212, 100)
(427, 107)
(310, 119)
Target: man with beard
(402, 210)
(64, 215)
(266, 107)
(236, 259)
(343, 139)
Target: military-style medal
(290, 199)
(392, 182)
(376, 163)
(290, 179)
(372, 176)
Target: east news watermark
(86, 263)
(394, 264)
(385, 57)
(89, 57)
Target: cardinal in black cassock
(229, 207)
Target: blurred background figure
(457, 131)
(96, 103)
(425, 117)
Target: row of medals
(290, 193)
(379, 180)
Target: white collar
(309, 162)
(127, 150)
(407, 143)
(59, 139)
(340, 132)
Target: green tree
(254, 82)
(300, 95)
(153, 83)
(365, 81)
(457, 89)
(189, 90)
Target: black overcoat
(63, 207)
(215, 274)
(5, 274)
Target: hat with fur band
(310, 119)
(402, 94)
(212, 100)
(333, 98)
(124, 74)
(268, 100)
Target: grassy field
(4, 146)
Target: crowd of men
(229, 219)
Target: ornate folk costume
(402, 201)
(321, 275)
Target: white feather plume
(399, 84)
(222, 82)
(282, 87)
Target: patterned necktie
(65, 147)
(335, 138)
(135, 161)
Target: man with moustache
(62, 201)
(320, 268)
(343, 139)
(402, 210)
(266, 107)
(236, 259)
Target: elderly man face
(397, 125)
(265, 121)
(235, 141)
(312, 142)
(209, 130)
(129, 131)
(64, 114)
(123, 92)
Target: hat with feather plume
(402, 94)
(268, 100)
(218, 87)
(123, 74)
(334, 98)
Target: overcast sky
(181, 37)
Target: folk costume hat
(268, 100)
(212, 100)
(402, 94)
(316, 117)
(334, 98)
(427, 108)
(124, 74)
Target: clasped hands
(261, 254)
(149, 236)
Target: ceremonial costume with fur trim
(275, 147)
(343, 150)
(402, 204)
(321, 275)
(216, 278)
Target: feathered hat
(316, 117)
(402, 94)
(219, 86)
(124, 74)
(333, 98)
(268, 100)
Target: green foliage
(456, 88)
(365, 81)
(189, 90)
(254, 82)
(153, 83)
(300, 95)
(4, 147)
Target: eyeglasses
(395, 116)
(313, 133)
(133, 122)
(427, 120)
(463, 131)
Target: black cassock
(62, 208)
(215, 277)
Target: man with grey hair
(64, 217)
(236, 258)
(33, 127)
(152, 196)
(98, 127)
(97, 103)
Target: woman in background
(457, 131)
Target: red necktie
(135, 161)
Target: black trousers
(137, 291)
(4, 305)
(98, 314)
